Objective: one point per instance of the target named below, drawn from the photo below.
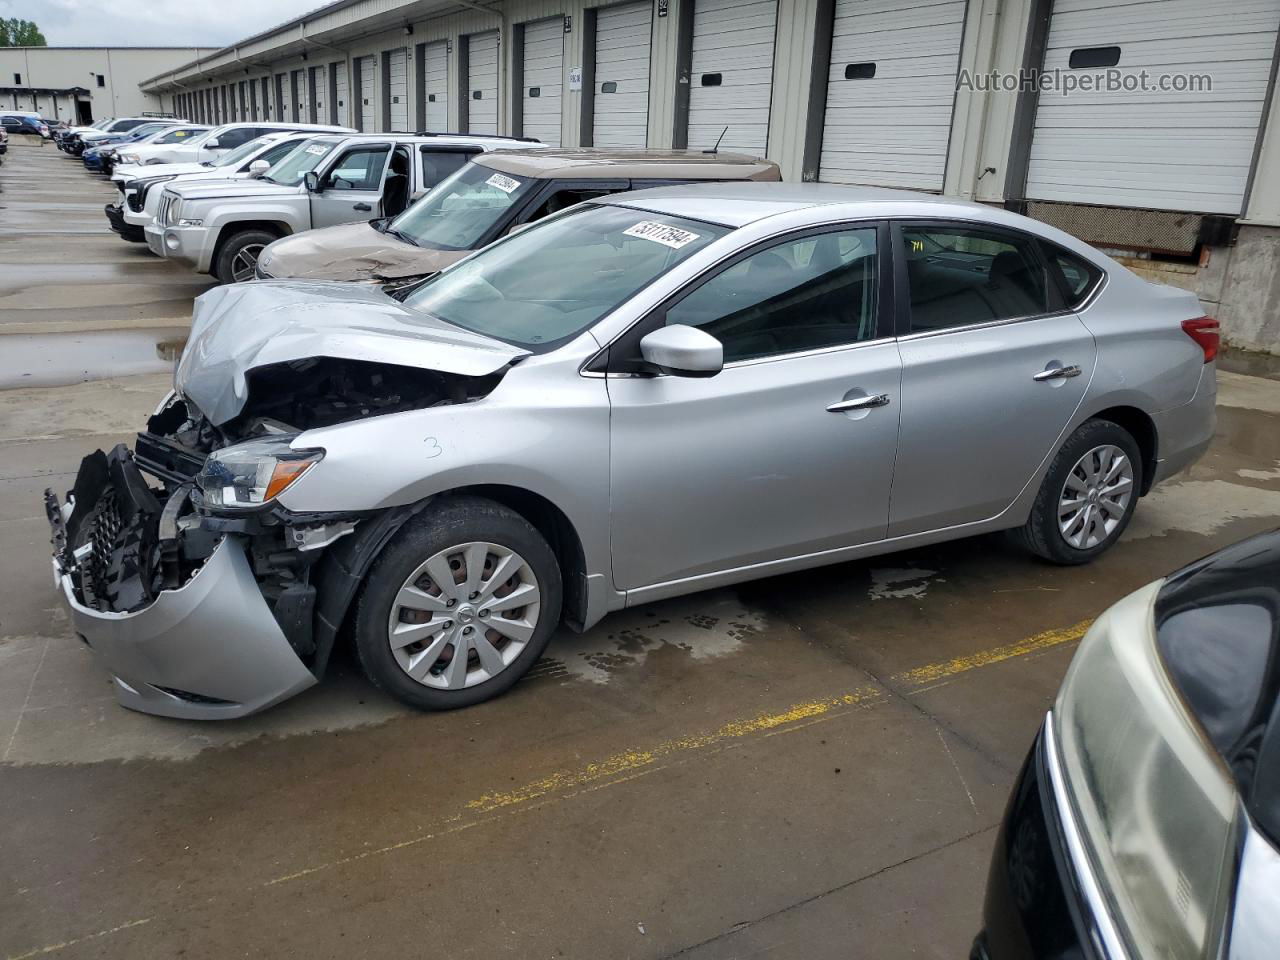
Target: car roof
(736, 204)
(591, 163)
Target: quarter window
(359, 169)
(1078, 274)
(438, 164)
(805, 294)
(960, 276)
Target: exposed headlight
(126, 158)
(248, 475)
(1154, 805)
(188, 222)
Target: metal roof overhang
(325, 28)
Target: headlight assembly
(250, 474)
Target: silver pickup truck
(221, 227)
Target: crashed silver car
(642, 396)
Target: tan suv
(485, 199)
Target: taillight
(1204, 331)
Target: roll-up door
(482, 83)
(282, 97)
(398, 89)
(543, 69)
(365, 67)
(1173, 149)
(621, 113)
(731, 76)
(318, 94)
(265, 84)
(253, 100)
(298, 96)
(890, 92)
(341, 96)
(435, 86)
(244, 99)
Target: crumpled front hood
(223, 189)
(352, 251)
(242, 326)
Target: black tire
(225, 263)
(450, 522)
(1041, 534)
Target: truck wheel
(238, 259)
(458, 606)
(1087, 497)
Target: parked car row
(17, 121)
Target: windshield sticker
(662, 233)
(317, 149)
(505, 184)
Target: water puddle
(58, 359)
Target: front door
(789, 450)
(351, 187)
(993, 368)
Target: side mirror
(683, 351)
(211, 144)
(312, 181)
(258, 168)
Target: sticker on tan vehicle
(505, 184)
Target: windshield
(461, 208)
(545, 284)
(176, 136)
(232, 157)
(290, 171)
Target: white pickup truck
(140, 193)
(213, 144)
(221, 227)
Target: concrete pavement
(806, 766)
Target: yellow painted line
(934, 672)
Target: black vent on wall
(477, 94)
(712, 79)
(1094, 57)
(859, 71)
(535, 91)
(609, 86)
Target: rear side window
(236, 136)
(438, 164)
(1077, 275)
(960, 276)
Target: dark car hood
(242, 326)
(352, 251)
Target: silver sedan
(646, 395)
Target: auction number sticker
(505, 184)
(317, 149)
(662, 233)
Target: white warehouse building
(1180, 177)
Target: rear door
(352, 186)
(993, 369)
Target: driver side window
(806, 294)
(359, 169)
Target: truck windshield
(461, 208)
(296, 165)
(541, 286)
(232, 157)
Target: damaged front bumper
(183, 636)
(116, 218)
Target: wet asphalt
(807, 766)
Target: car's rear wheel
(1087, 497)
(238, 259)
(459, 605)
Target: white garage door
(1159, 149)
(622, 76)
(731, 81)
(342, 98)
(284, 101)
(482, 83)
(890, 92)
(318, 91)
(435, 85)
(543, 69)
(398, 92)
(365, 67)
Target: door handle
(361, 206)
(860, 403)
(1058, 373)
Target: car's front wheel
(458, 606)
(237, 261)
(1088, 496)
